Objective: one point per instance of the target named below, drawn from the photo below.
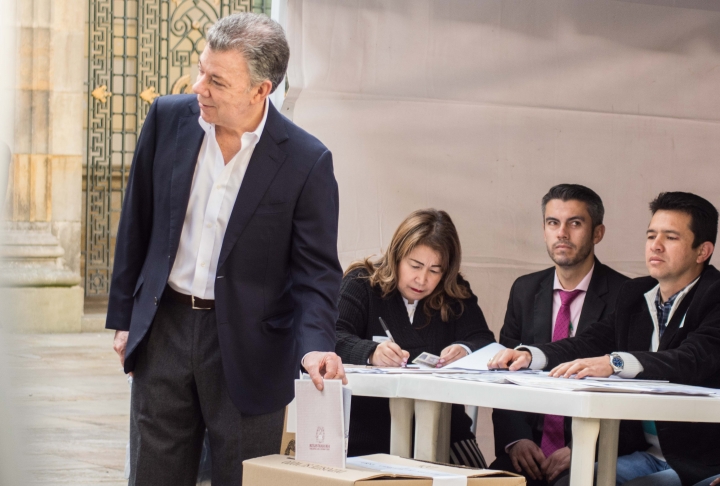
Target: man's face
(569, 235)
(669, 254)
(223, 88)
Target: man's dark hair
(703, 215)
(576, 192)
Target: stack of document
(472, 363)
(537, 379)
(407, 370)
(478, 360)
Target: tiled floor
(75, 402)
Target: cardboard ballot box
(371, 470)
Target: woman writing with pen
(426, 305)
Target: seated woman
(417, 289)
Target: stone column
(8, 47)
(42, 242)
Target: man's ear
(262, 91)
(705, 251)
(598, 233)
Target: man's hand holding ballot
(324, 366)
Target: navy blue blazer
(278, 274)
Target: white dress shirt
(410, 309)
(215, 187)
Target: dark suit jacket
(528, 320)
(278, 273)
(689, 354)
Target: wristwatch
(617, 363)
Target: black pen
(387, 331)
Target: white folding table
(594, 414)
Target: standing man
(226, 273)
(550, 305)
(664, 327)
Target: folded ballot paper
(322, 422)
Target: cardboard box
(287, 444)
(285, 470)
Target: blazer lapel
(266, 160)
(671, 331)
(594, 304)
(187, 146)
(542, 311)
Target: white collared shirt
(650, 298)
(410, 309)
(214, 190)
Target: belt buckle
(192, 299)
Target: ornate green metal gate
(138, 50)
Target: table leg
(432, 431)
(607, 453)
(401, 414)
(582, 463)
(443, 440)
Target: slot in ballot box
(375, 469)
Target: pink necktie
(553, 437)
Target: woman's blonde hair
(434, 229)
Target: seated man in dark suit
(549, 305)
(664, 327)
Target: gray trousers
(178, 390)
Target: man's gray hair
(259, 39)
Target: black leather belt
(189, 300)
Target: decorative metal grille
(138, 50)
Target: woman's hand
(452, 353)
(389, 354)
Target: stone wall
(43, 212)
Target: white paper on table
(494, 376)
(399, 370)
(615, 378)
(656, 388)
(477, 360)
(610, 386)
(538, 381)
(360, 369)
(421, 371)
(320, 437)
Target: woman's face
(419, 273)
